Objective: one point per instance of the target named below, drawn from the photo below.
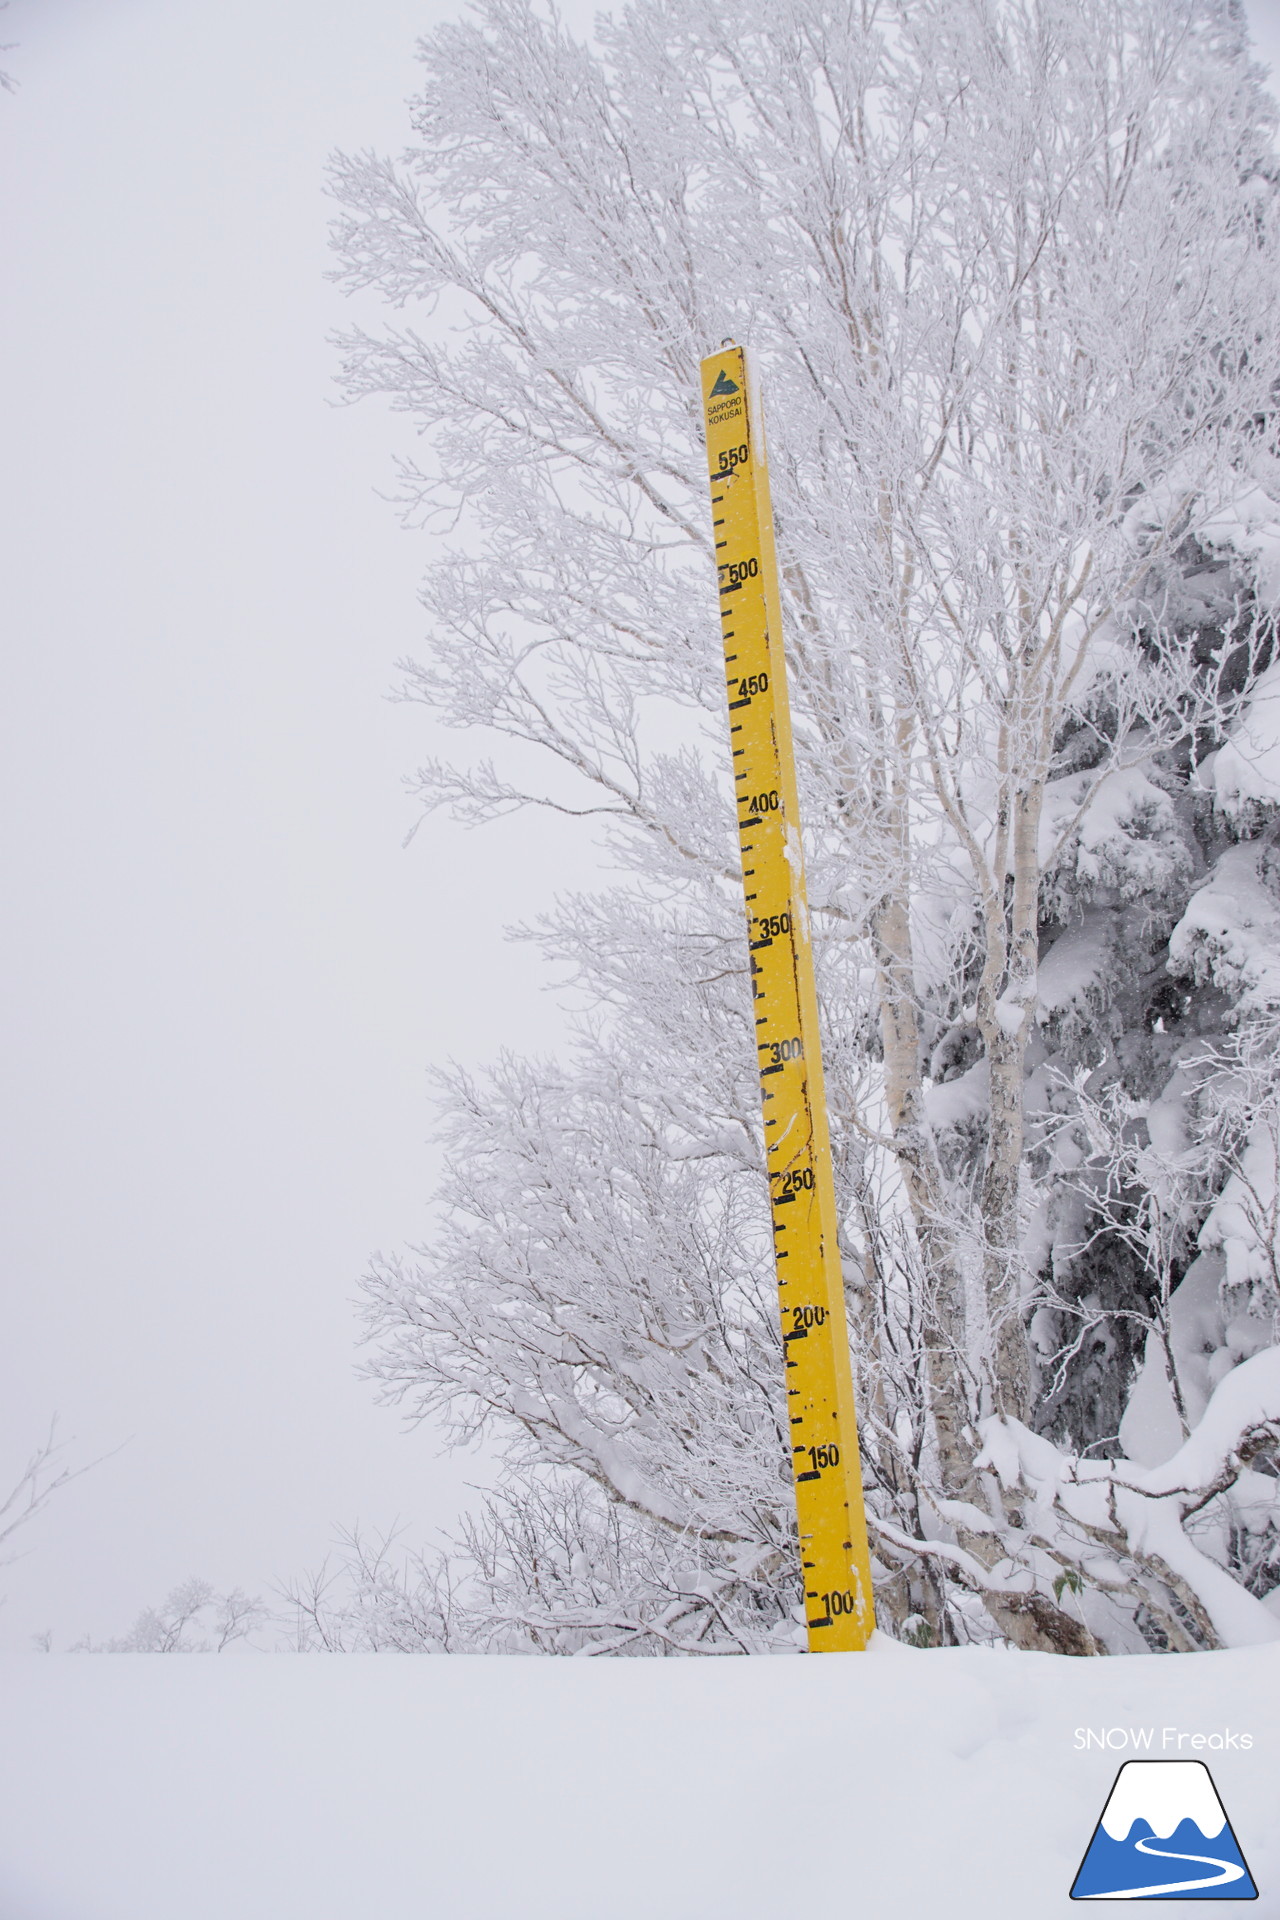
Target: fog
(225, 979)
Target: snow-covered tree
(1009, 267)
(193, 1618)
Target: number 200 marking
(808, 1316)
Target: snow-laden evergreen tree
(1009, 269)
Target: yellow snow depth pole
(824, 1434)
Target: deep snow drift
(896, 1785)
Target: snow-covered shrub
(193, 1618)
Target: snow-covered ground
(898, 1785)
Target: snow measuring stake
(824, 1433)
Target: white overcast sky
(223, 978)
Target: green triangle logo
(724, 384)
